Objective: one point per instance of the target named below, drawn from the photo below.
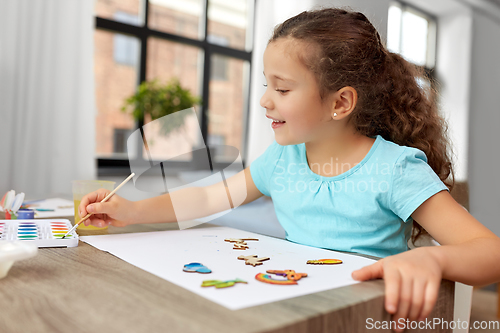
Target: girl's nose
(266, 102)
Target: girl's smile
(276, 123)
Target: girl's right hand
(117, 211)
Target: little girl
(360, 157)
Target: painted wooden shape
(266, 278)
(289, 274)
(325, 262)
(196, 267)
(221, 284)
(239, 243)
(253, 260)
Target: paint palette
(44, 233)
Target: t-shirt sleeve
(413, 182)
(263, 167)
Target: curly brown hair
(391, 103)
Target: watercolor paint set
(43, 233)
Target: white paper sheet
(164, 253)
(60, 207)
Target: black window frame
(115, 166)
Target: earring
(335, 114)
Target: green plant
(158, 100)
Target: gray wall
(484, 121)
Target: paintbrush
(103, 200)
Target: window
(126, 48)
(412, 34)
(219, 63)
(219, 67)
(120, 140)
(205, 44)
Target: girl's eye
(265, 85)
(281, 91)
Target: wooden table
(83, 289)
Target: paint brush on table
(103, 200)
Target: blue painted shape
(196, 267)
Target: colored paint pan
(43, 233)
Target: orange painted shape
(325, 262)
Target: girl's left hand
(412, 281)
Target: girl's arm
(196, 202)
(190, 203)
(469, 253)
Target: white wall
(453, 72)
(484, 121)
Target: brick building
(116, 68)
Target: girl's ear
(344, 102)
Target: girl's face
(292, 95)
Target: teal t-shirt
(366, 209)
